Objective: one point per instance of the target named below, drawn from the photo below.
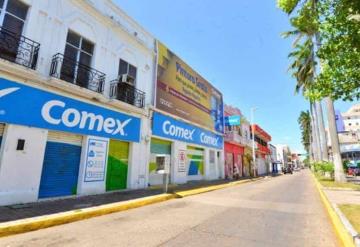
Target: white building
(350, 138)
(74, 94)
(282, 151)
(351, 118)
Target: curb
(41, 222)
(341, 232)
(354, 234)
(185, 193)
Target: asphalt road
(280, 211)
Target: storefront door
(195, 161)
(229, 165)
(160, 153)
(117, 167)
(60, 171)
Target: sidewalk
(343, 196)
(340, 198)
(21, 211)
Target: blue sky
(236, 46)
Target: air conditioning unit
(126, 78)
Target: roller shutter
(61, 165)
(117, 168)
(2, 127)
(195, 157)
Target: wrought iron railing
(77, 73)
(18, 49)
(127, 93)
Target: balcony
(234, 137)
(18, 49)
(69, 70)
(127, 93)
(263, 149)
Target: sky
(237, 46)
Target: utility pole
(252, 110)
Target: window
(78, 55)
(126, 68)
(12, 18)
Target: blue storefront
(194, 150)
(68, 122)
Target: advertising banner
(168, 127)
(25, 105)
(232, 120)
(96, 160)
(183, 92)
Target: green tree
(339, 51)
(309, 20)
(303, 68)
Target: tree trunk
(315, 130)
(338, 167)
(322, 133)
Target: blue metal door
(60, 169)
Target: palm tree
(303, 69)
(304, 121)
(309, 26)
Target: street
(277, 211)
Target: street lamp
(252, 111)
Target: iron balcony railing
(77, 73)
(127, 93)
(235, 137)
(18, 49)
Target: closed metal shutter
(61, 165)
(64, 137)
(2, 127)
(195, 158)
(117, 167)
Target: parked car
(353, 168)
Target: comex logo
(71, 118)
(7, 91)
(4, 92)
(173, 130)
(210, 140)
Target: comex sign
(24, 105)
(170, 128)
(71, 117)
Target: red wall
(231, 148)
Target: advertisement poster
(183, 92)
(182, 161)
(96, 160)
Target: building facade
(187, 124)
(348, 128)
(283, 155)
(237, 138)
(262, 138)
(76, 80)
(274, 168)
